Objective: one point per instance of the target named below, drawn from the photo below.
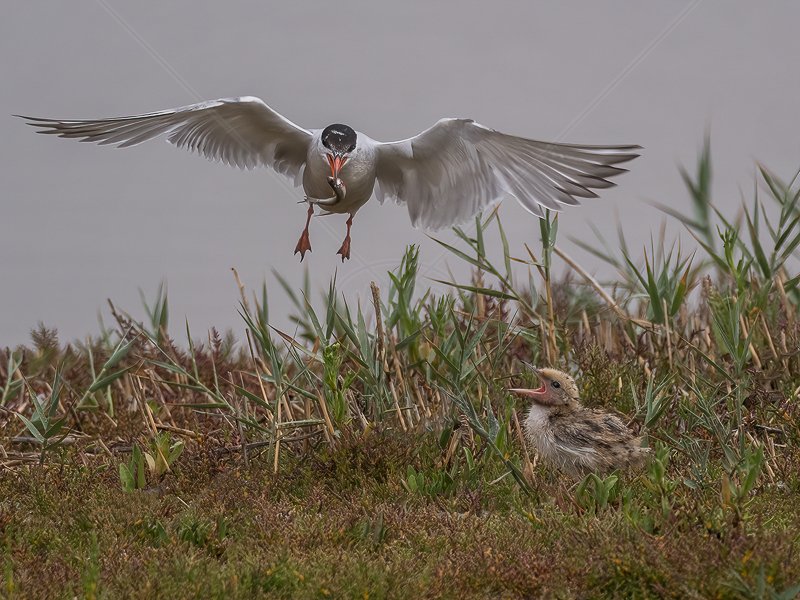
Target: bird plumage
(450, 172)
(444, 175)
(576, 439)
(242, 132)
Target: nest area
(405, 399)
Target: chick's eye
(556, 384)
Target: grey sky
(81, 223)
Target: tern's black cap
(339, 138)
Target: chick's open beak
(336, 162)
(531, 393)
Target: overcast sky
(81, 223)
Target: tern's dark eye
(555, 384)
(351, 148)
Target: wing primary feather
(457, 168)
(244, 132)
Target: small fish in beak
(338, 187)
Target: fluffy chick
(573, 438)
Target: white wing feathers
(242, 132)
(457, 168)
(445, 175)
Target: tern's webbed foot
(344, 251)
(303, 245)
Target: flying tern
(444, 175)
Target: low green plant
(595, 494)
(371, 530)
(102, 381)
(431, 484)
(162, 454)
(655, 401)
(665, 283)
(208, 534)
(760, 587)
(727, 313)
(132, 474)
(336, 385)
(91, 571)
(739, 482)
(658, 483)
(14, 382)
(44, 425)
(164, 451)
(653, 509)
(494, 434)
(157, 313)
(153, 531)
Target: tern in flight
(445, 175)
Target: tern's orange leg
(304, 243)
(345, 249)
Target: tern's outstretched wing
(455, 169)
(242, 132)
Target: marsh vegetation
(373, 451)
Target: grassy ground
(378, 455)
(348, 528)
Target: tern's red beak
(336, 161)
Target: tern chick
(573, 438)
